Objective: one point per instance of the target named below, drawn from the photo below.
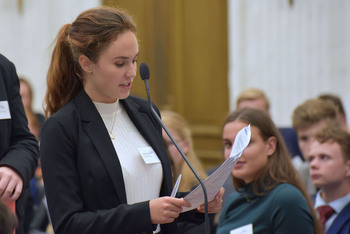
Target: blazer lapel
(93, 125)
(341, 220)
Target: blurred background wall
(292, 49)
(27, 29)
(203, 53)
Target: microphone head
(144, 71)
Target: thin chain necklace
(111, 135)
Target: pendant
(111, 135)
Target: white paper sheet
(217, 179)
(176, 186)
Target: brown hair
(88, 35)
(279, 168)
(253, 94)
(177, 123)
(312, 111)
(336, 101)
(335, 134)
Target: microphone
(145, 74)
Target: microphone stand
(155, 114)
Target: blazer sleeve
(19, 148)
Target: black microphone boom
(145, 74)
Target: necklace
(111, 135)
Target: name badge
(246, 229)
(4, 110)
(148, 155)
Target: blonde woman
(181, 132)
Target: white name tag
(148, 155)
(4, 110)
(246, 229)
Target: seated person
(329, 164)
(341, 111)
(256, 98)
(307, 119)
(270, 197)
(181, 132)
(26, 93)
(253, 98)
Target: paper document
(176, 186)
(217, 179)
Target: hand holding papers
(216, 180)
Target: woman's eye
(134, 61)
(119, 64)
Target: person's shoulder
(287, 194)
(65, 115)
(5, 64)
(286, 189)
(4, 60)
(234, 196)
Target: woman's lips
(126, 85)
(239, 164)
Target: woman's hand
(215, 205)
(166, 209)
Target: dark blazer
(82, 174)
(341, 224)
(18, 147)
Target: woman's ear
(271, 145)
(85, 63)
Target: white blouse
(142, 181)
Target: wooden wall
(184, 43)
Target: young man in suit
(329, 165)
(19, 149)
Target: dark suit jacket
(82, 174)
(18, 147)
(341, 224)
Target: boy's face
(305, 136)
(327, 166)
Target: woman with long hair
(104, 165)
(270, 197)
